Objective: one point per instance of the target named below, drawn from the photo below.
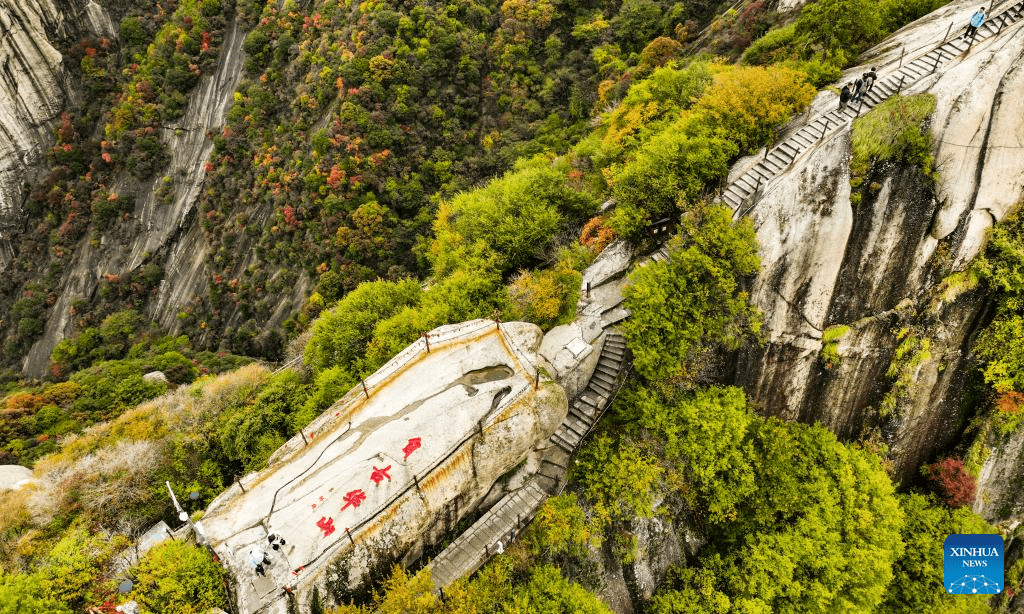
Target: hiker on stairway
(844, 96)
(976, 20)
(869, 79)
(858, 89)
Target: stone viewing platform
(391, 465)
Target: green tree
(25, 594)
(706, 433)
(341, 334)
(820, 533)
(746, 103)
(669, 171)
(547, 592)
(619, 480)
(692, 302)
(842, 28)
(1002, 266)
(251, 433)
(917, 583)
(179, 578)
(73, 571)
(515, 217)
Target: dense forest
(415, 164)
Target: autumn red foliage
(1010, 402)
(951, 481)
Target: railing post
(588, 289)
(363, 382)
(426, 337)
(859, 105)
(938, 58)
(239, 482)
(899, 88)
(904, 50)
(948, 30)
(304, 440)
(824, 129)
(350, 536)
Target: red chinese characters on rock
(413, 445)
(353, 498)
(378, 475)
(326, 525)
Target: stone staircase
(499, 525)
(584, 412)
(741, 193)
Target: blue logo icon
(973, 564)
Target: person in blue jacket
(976, 20)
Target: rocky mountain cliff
(37, 87)
(887, 267)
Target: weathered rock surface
(1000, 493)
(33, 92)
(394, 470)
(168, 234)
(13, 477)
(878, 267)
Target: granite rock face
(383, 473)
(162, 230)
(886, 267)
(34, 89)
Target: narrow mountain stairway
(499, 525)
(740, 193)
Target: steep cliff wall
(164, 227)
(34, 89)
(885, 266)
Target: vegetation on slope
(793, 516)
(105, 156)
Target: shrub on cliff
(24, 594)
(179, 578)
(693, 302)
(1002, 266)
(820, 533)
(954, 485)
(895, 130)
(515, 217)
(672, 168)
(341, 334)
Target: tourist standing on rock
(276, 541)
(976, 20)
(258, 557)
(844, 96)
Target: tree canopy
(693, 301)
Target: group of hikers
(258, 557)
(863, 84)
